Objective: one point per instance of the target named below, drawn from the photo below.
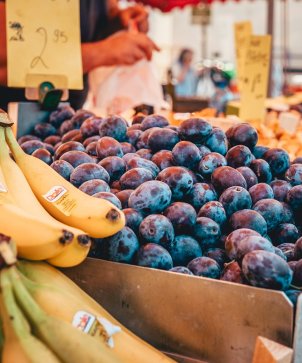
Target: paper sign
(255, 80)
(43, 38)
(242, 31)
(289, 122)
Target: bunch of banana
(47, 318)
(97, 217)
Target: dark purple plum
(262, 170)
(79, 117)
(133, 178)
(72, 135)
(49, 148)
(57, 146)
(280, 189)
(250, 219)
(68, 146)
(91, 149)
(182, 216)
(145, 153)
(107, 146)
(200, 194)
(234, 199)
(178, 179)
(154, 256)
(278, 160)
(285, 233)
(294, 174)
(172, 127)
(261, 191)
(298, 249)
(76, 158)
(183, 249)
(205, 267)
(162, 139)
(266, 269)
(288, 215)
(249, 176)
(25, 138)
(271, 210)
(123, 196)
(232, 273)
(234, 239)
(292, 265)
(203, 150)
(293, 296)
(88, 171)
(65, 127)
(259, 151)
(116, 185)
(110, 197)
(163, 159)
(215, 211)
(294, 198)
(90, 139)
(187, 154)
(297, 160)
(196, 130)
(207, 232)
(181, 270)
(137, 119)
(143, 140)
(121, 247)
(297, 279)
(90, 127)
(280, 253)
(32, 145)
(217, 141)
(52, 140)
(133, 136)
(289, 250)
(239, 155)
(195, 176)
(43, 155)
(225, 177)
(243, 134)
(135, 127)
(209, 163)
(138, 162)
(127, 148)
(43, 130)
(63, 168)
(217, 254)
(133, 219)
(58, 116)
(154, 121)
(115, 127)
(150, 197)
(94, 186)
(115, 167)
(157, 228)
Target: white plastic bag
(118, 89)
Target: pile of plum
(197, 200)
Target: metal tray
(205, 319)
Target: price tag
(255, 80)
(43, 42)
(242, 31)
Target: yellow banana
(64, 299)
(24, 197)
(97, 217)
(20, 346)
(67, 342)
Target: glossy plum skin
(88, 171)
(26, 138)
(156, 228)
(94, 186)
(261, 191)
(217, 141)
(205, 266)
(110, 197)
(207, 232)
(133, 178)
(63, 168)
(259, 151)
(144, 153)
(294, 174)
(114, 166)
(43, 130)
(280, 189)
(298, 249)
(68, 146)
(243, 134)
(234, 239)
(154, 256)
(123, 196)
(154, 121)
(163, 159)
(30, 146)
(225, 177)
(143, 163)
(115, 127)
(187, 154)
(181, 270)
(250, 219)
(271, 210)
(238, 156)
(266, 269)
(285, 233)
(294, 198)
(278, 160)
(182, 216)
(232, 273)
(107, 146)
(215, 211)
(234, 199)
(58, 116)
(211, 162)
(183, 249)
(79, 117)
(289, 250)
(162, 139)
(133, 219)
(217, 254)
(120, 247)
(72, 135)
(90, 127)
(151, 197)
(76, 158)
(200, 194)
(43, 155)
(262, 170)
(178, 179)
(249, 176)
(195, 129)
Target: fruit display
(194, 196)
(45, 317)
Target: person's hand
(136, 14)
(126, 48)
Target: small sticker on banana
(59, 196)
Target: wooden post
(270, 31)
(267, 351)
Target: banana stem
(12, 142)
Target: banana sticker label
(59, 196)
(95, 326)
(2, 188)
